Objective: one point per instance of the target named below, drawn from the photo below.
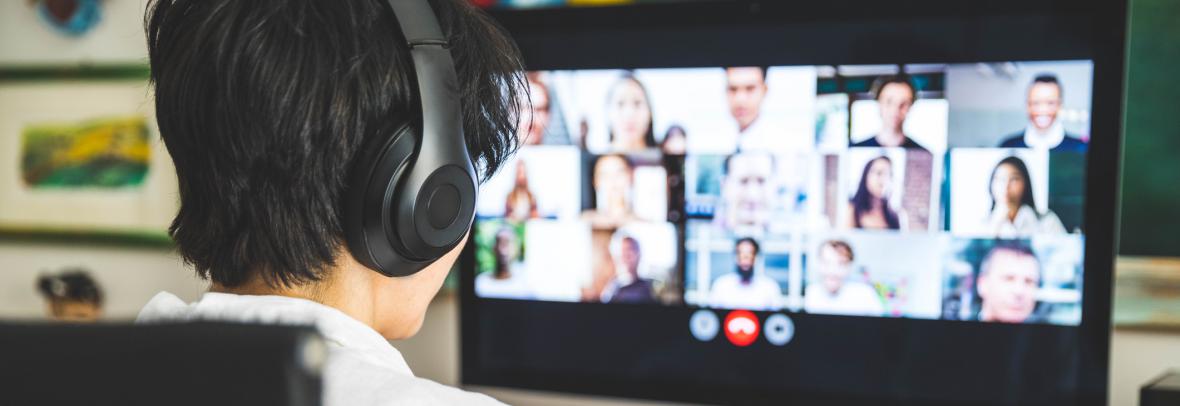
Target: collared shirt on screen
(1055, 139)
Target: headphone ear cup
(371, 203)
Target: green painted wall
(1151, 169)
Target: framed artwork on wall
(81, 157)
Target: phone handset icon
(741, 327)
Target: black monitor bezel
(587, 38)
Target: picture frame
(81, 159)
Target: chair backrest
(201, 363)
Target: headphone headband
(418, 22)
(416, 191)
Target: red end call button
(741, 327)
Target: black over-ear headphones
(411, 195)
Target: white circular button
(779, 329)
(704, 325)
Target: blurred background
(87, 190)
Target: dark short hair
(900, 78)
(1051, 79)
(751, 241)
(71, 285)
(764, 69)
(264, 106)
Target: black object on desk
(200, 363)
(1161, 391)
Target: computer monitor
(805, 203)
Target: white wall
(129, 276)
(117, 39)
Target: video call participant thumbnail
(628, 286)
(1014, 210)
(629, 116)
(1009, 277)
(895, 95)
(507, 279)
(870, 207)
(612, 177)
(521, 203)
(1044, 130)
(744, 288)
(745, 91)
(835, 292)
(747, 193)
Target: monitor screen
(911, 231)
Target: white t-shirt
(762, 293)
(362, 368)
(853, 299)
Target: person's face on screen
(746, 256)
(1008, 287)
(894, 100)
(747, 189)
(630, 256)
(834, 268)
(880, 178)
(612, 183)
(1044, 102)
(522, 174)
(745, 89)
(507, 246)
(1007, 186)
(630, 115)
(535, 117)
(675, 142)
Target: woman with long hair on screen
(1014, 212)
(629, 116)
(612, 178)
(869, 208)
(521, 204)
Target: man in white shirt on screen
(745, 92)
(834, 293)
(744, 288)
